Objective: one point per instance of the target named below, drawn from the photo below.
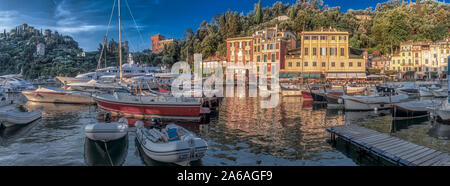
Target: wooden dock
(391, 149)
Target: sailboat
(444, 112)
(146, 107)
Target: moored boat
(373, 102)
(170, 144)
(55, 95)
(107, 131)
(412, 109)
(307, 96)
(145, 107)
(17, 115)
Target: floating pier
(391, 149)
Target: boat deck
(389, 148)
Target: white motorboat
(373, 102)
(15, 83)
(17, 115)
(170, 144)
(94, 86)
(55, 95)
(108, 131)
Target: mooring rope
(107, 153)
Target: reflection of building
(326, 52)
(159, 42)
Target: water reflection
(10, 134)
(112, 153)
(440, 131)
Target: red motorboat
(145, 107)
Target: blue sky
(86, 20)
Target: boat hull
(178, 152)
(401, 113)
(53, 97)
(142, 111)
(107, 131)
(11, 118)
(318, 97)
(351, 104)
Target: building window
(306, 51)
(417, 54)
(306, 64)
(314, 51)
(298, 64)
(409, 62)
(403, 61)
(342, 64)
(350, 64)
(403, 54)
(314, 64)
(359, 64)
(323, 38)
(333, 37)
(273, 57)
(333, 64)
(323, 51)
(343, 38)
(314, 37)
(265, 57)
(290, 64)
(258, 58)
(409, 53)
(342, 52)
(324, 64)
(417, 62)
(306, 37)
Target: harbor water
(240, 133)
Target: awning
(361, 75)
(288, 75)
(311, 75)
(331, 75)
(346, 76)
(341, 76)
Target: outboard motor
(156, 123)
(107, 118)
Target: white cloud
(78, 29)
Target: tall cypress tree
(258, 13)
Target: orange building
(159, 42)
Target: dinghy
(107, 131)
(170, 144)
(17, 115)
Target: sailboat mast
(120, 46)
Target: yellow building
(425, 59)
(325, 52)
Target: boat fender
(139, 124)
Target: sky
(87, 20)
